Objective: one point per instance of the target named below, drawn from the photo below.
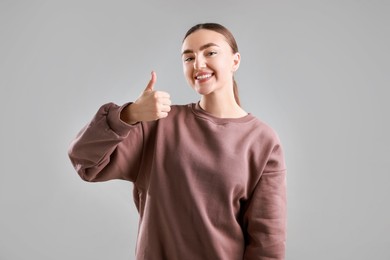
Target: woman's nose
(199, 63)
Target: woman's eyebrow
(205, 46)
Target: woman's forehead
(202, 37)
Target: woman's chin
(203, 90)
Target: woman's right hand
(151, 105)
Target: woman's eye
(211, 53)
(188, 59)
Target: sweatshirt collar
(200, 112)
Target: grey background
(317, 71)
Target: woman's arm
(108, 148)
(111, 146)
(265, 214)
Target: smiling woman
(228, 38)
(209, 65)
(216, 188)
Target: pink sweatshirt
(205, 187)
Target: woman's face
(209, 62)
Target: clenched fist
(151, 105)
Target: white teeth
(204, 76)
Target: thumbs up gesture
(151, 105)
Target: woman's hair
(229, 39)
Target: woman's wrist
(126, 115)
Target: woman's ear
(236, 61)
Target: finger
(165, 108)
(165, 101)
(161, 94)
(162, 114)
(152, 81)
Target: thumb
(152, 81)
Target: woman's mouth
(203, 76)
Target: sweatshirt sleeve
(265, 214)
(107, 148)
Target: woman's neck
(221, 106)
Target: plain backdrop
(317, 71)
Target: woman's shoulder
(263, 125)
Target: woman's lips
(203, 76)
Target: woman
(209, 178)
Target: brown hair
(229, 39)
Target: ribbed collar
(200, 112)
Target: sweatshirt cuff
(114, 121)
